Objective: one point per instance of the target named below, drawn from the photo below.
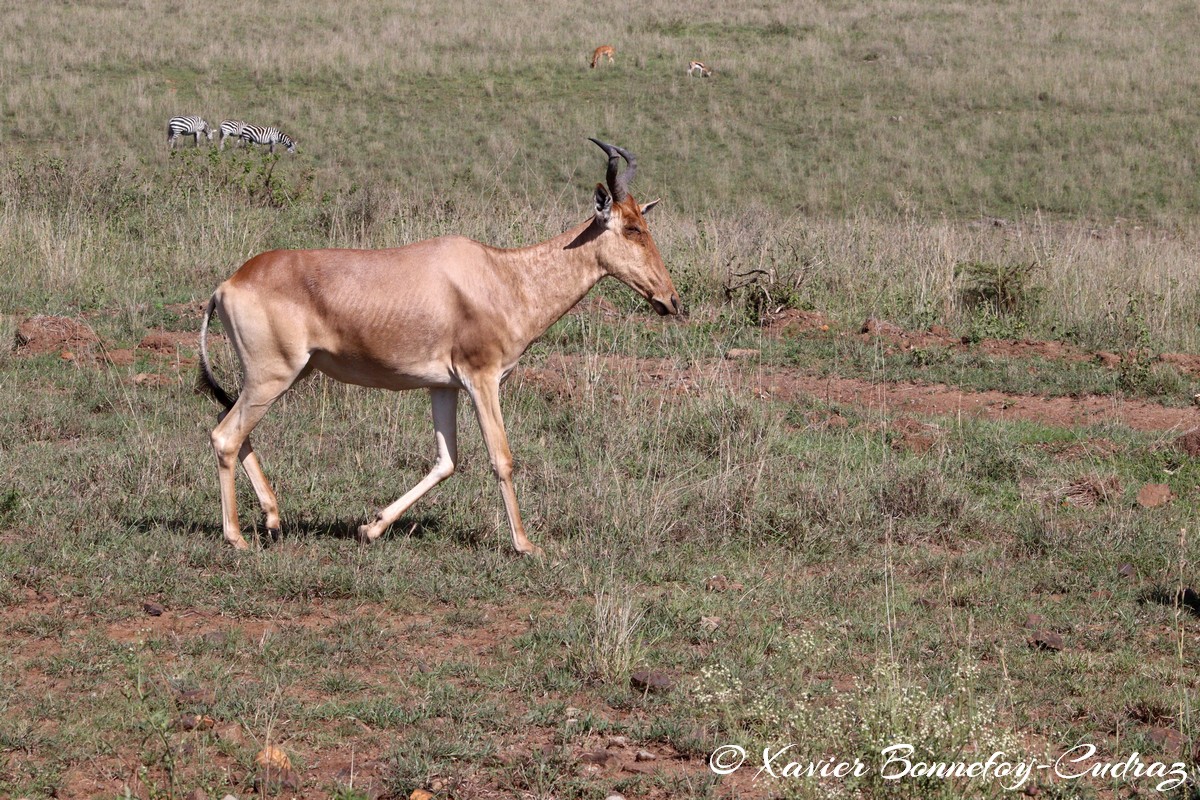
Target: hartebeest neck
(549, 278)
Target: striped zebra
(187, 126)
(231, 129)
(256, 134)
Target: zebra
(187, 126)
(231, 128)
(256, 134)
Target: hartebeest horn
(617, 184)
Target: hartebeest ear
(603, 203)
(646, 208)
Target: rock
(152, 608)
(741, 353)
(231, 734)
(1034, 621)
(710, 624)
(1153, 495)
(645, 755)
(1127, 571)
(1045, 640)
(1168, 740)
(646, 680)
(271, 757)
(421, 794)
(617, 741)
(719, 583)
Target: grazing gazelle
(444, 314)
(695, 67)
(602, 51)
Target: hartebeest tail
(446, 314)
(206, 381)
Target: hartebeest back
(443, 314)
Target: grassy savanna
(841, 574)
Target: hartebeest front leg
(445, 426)
(485, 393)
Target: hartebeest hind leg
(445, 426)
(485, 393)
(231, 442)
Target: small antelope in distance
(231, 129)
(695, 67)
(445, 314)
(187, 126)
(602, 51)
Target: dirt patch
(169, 343)
(560, 374)
(43, 334)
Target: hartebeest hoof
(275, 533)
(237, 544)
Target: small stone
(710, 624)
(719, 583)
(1045, 640)
(617, 741)
(152, 608)
(1153, 495)
(1127, 571)
(231, 734)
(1168, 740)
(421, 794)
(1034, 621)
(645, 755)
(741, 353)
(615, 796)
(271, 757)
(646, 680)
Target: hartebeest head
(628, 252)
